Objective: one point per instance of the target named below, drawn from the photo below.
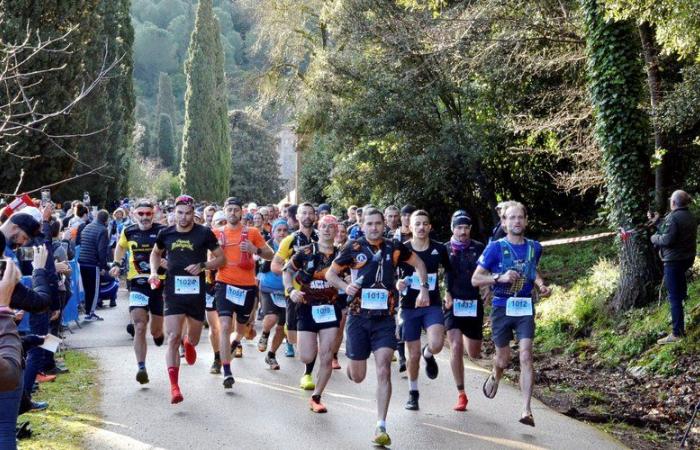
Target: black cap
(460, 218)
(28, 224)
(292, 210)
(407, 210)
(324, 207)
(233, 201)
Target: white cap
(32, 211)
(218, 217)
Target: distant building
(286, 151)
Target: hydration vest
(528, 268)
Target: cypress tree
(56, 89)
(616, 89)
(166, 141)
(206, 162)
(165, 105)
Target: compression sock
(217, 356)
(142, 365)
(266, 334)
(310, 367)
(227, 367)
(460, 388)
(173, 374)
(402, 351)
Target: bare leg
(382, 359)
(326, 341)
(173, 329)
(139, 317)
(277, 339)
(456, 356)
(413, 360)
(526, 373)
(214, 330)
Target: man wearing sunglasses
(139, 239)
(185, 245)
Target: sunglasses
(184, 200)
(144, 213)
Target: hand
(194, 269)
(153, 279)
(653, 216)
(401, 284)
(423, 298)
(247, 247)
(19, 315)
(508, 277)
(55, 315)
(114, 271)
(448, 301)
(8, 282)
(40, 256)
(352, 289)
(297, 296)
(63, 267)
(545, 291)
(46, 211)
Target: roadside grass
(73, 407)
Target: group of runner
(316, 288)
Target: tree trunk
(638, 274)
(651, 57)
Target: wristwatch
(425, 285)
(495, 276)
(288, 291)
(258, 251)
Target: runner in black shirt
(426, 313)
(185, 245)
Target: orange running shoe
(336, 364)
(316, 406)
(462, 402)
(175, 394)
(41, 378)
(190, 351)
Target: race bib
(138, 299)
(236, 295)
(375, 299)
(319, 284)
(519, 307)
(432, 281)
(210, 300)
(186, 285)
(464, 308)
(323, 313)
(279, 300)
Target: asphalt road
(267, 410)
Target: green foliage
(677, 22)
(166, 142)
(255, 172)
(161, 182)
(205, 168)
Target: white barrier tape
(590, 237)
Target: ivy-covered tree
(255, 171)
(205, 168)
(616, 86)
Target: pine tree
(206, 152)
(166, 141)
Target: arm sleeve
(35, 300)
(669, 237)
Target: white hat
(32, 211)
(218, 217)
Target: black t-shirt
(311, 265)
(183, 249)
(433, 257)
(140, 243)
(463, 265)
(364, 261)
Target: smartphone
(26, 254)
(45, 196)
(3, 266)
(86, 198)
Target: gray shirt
(677, 236)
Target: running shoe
(142, 376)
(431, 367)
(462, 402)
(317, 407)
(412, 403)
(272, 362)
(228, 381)
(43, 378)
(289, 350)
(402, 365)
(175, 394)
(190, 351)
(238, 351)
(381, 437)
(307, 382)
(262, 343)
(215, 367)
(336, 364)
(56, 370)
